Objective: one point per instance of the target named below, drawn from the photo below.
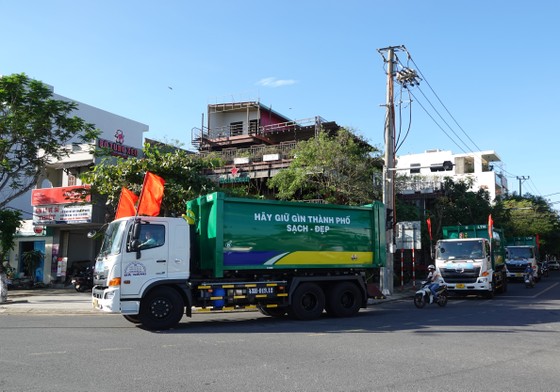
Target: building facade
(254, 141)
(56, 216)
(425, 172)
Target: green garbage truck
(520, 252)
(229, 253)
(471, 260)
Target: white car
(553, 265)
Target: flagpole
(141, 194)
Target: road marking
(532, 296)
(49, 353)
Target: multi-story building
(56, 217)
(427, 170)
(254, 141)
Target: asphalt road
(510, 343)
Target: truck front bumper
(109, 300)
(469, 287)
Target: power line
(442, 104)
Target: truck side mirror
(136, 230)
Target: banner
(490, 227)
(151, 195)
(127, 204)
(429, 223)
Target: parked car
(553, 265)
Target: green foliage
(459, 206)
(32, 259)
(531, 215)
(33, 127)
(338, 169)
(10, 221)
(181, 170)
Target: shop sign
(61, 195)
(62, 214)
(117, 147)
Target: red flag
(127, 204)
(538, 242)
(490, 227)
(151, 195)
(429, 222)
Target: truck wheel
(490, 293)
(344, 300)
(308, 302)
(132, 319)
(272, 312)
(162, 308)
(504, 284)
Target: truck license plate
(519, 274)
(460, 286)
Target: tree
(459, 206)
(530, 216)
(33, 127)
(10, 221)
(181, 170)
(338, 169)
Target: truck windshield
(520, 253)
(112, 239)
(449, 250)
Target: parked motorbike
(83, 280)
(529, 277)
(422, 296)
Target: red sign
(118, 149)
(61, 195)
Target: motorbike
(422, 296)
(544, 269)
(529, 278)
(83, 279)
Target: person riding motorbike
(433, 277)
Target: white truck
(470, 262)
(519, 252)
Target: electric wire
(442, 104)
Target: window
(414, 168)
(236, 128)
(151, 236)
(253, 126)
(71, 179)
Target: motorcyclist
(529, 271)
(433, 277)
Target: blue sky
(491, 63)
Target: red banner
(61, 195)
(429, 223)
(490, 227)
(127, 204)
(151, 196)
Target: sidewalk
(69, 301)
(48, 301)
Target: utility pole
(521, 179)
(406, 77)
(386, 278)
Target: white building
(55, 222)
(427, 171)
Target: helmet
(431, 267)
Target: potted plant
(32, 259)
